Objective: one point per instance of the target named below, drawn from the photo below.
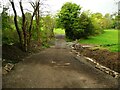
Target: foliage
(108, 39)
(86, 25)
(68, 18)
(81, 25)
(117, 22)
(48, 27)
(59, 31)
(9, 34)
(96, 19)
(70, 21)
(34, 33)
(107, 21)
(5, 19)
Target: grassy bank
(108, 40)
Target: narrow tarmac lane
(56, 67)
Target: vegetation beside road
(33, 31)
(109, 40)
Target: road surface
(56, 67)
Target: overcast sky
(102, 6)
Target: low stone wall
(76, 47)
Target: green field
(59, 31)
(109, 40)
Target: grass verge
(108, 40)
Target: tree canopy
(75, 23)
(69, 18)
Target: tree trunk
(16, 25)
(24, 24)
(38, 26)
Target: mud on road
(56, 67)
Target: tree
(16, 23)
(48, 27)
(96, 19)
(5, 17)
(68, 18)
(107, 22)
(37, 17)
(7, 29)
(86, 25)
(24, 34)
(117, 22)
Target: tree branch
(35, 10)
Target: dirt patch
(13, 53)
(104, 57)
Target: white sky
(102, 6)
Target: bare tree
(37, 16)
(26, 33)
(16, 23)
(24, 23)
(31, 22)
